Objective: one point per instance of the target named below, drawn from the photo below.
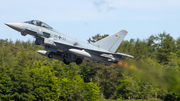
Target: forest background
(153, 74)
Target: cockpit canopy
(38, 23)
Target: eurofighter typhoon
(63, 48)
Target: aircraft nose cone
(16, 26)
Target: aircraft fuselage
(62, 47)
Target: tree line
(152, 74)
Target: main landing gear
(78, 61)
(66, 62)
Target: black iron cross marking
(60, 37)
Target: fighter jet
(64, 48)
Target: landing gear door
(39, 41)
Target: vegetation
(152, 75)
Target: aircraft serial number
(60, 37)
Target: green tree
(97, 37)
(45, 83)
(166, 46)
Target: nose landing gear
(50, 55)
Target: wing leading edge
(123, 55)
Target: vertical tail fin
(112, 42)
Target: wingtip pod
(123, 31)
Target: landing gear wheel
(66, 62)
(50, 55)
(23, 34)
(78, 61)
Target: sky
(82, 19)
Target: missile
(80, 52)
(43, 52)
(86, 54)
